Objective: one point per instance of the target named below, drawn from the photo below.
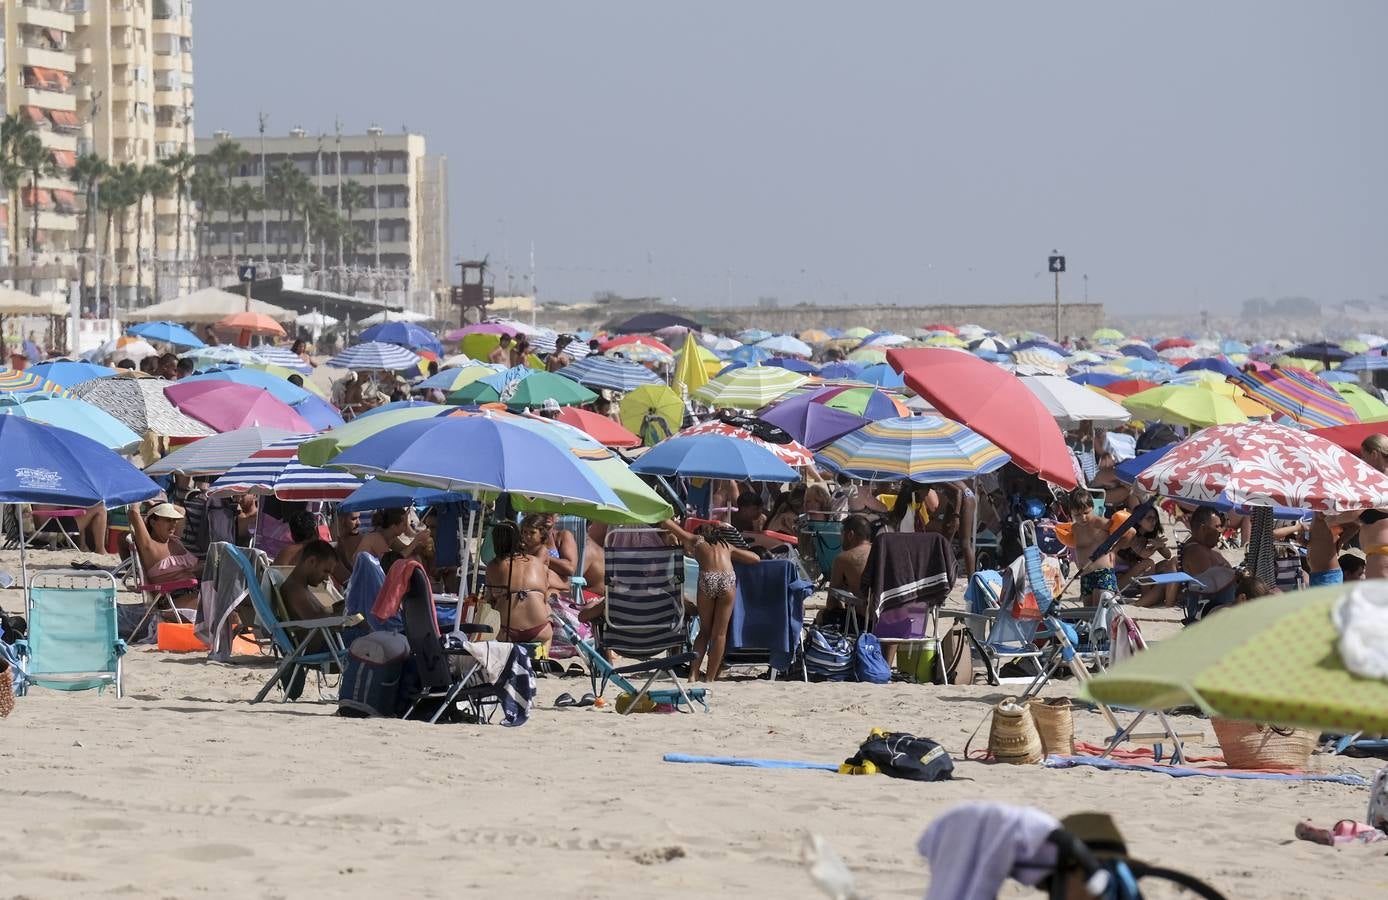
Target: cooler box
(371, 681)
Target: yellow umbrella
(690, 372)
(1246, 404)
(652, 411)
(943, 340)
(815, 336)
(869, 355)
(1185, 404)
(284, 372)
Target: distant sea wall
(1075, 318)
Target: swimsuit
(711, 584)
(1330, 576)
(523, 635)
(1098, 580)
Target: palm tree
(155, 182)
(227, 157)
(355, 196)
(87, 172)
(38, 163)
(245, 199)
(206, 190)
(286, 187)
(181, 166)
(13, 132)
(118, 194)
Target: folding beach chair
(680, 697)
(294, 639)
(53, 523)
(155, 595)
(439, 684)
(1005, 625)
(769, 607)
(72, 644)
(644, 612)
(825, 544)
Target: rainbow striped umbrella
(1300, 396)
(921, 448)
(15, 382)
(277, 470)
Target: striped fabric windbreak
(277, 470)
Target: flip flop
(587, 699)
(565, 700)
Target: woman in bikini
(1373, 523)
(163, 558)
(717, 591)
(519, 581)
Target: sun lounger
(72, 643)
(680, 697)
(644, 613)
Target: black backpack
(902, 755)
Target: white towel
(973, 848)
(1361, 616)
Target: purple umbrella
(813, 424)
(458, 334)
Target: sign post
(246, 275)
(1056, 263)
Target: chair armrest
(325, 622)
(656, 665)
(21, 648)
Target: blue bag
(828, 654)
(868, 663)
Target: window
(354, 165)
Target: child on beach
(1089, 531)
(717, 587)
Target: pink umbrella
(792, 453)
(227, 406)
(457, 334)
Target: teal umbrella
(534, 391)
(78, 416)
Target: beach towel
(387, 604)
(909, 569)
(507, 667)
(362, 587)
(974, 848)
(1069, 762)
(222, 588)
(750, 762)
(769, 609)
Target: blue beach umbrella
(1211, 364)
(75, 415)
(375, 355)
(713, 456)
(168, 332)
(403, 334)
(65, 373)
(380, 494)
(841, 370)
(43, 464)
(1098, 379)
(278, 387)
(1373, 361)
(921, 448)
(318, 412)
(402, 404)
(793, 364)
(749, 355)
(610, 373)
(882, 375)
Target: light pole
(264, 198)
(375, 132)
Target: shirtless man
(1091, 530)
(559, 359)
(846, 574)
(391, 526)
(1199, 554)
(315, 565)
(501, 353)
(519, 582)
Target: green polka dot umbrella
(1273, 660)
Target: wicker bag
(1012, 736)
(6, 689)
(1055, 722)
(1248, 745)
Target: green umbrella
(317, 451)
(477, 392)
(749, 388)
(1273, 660)
(1368, 407)
(535, 390)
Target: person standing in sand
(717, 591)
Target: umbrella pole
(23, 558)
(465, 569)
(1261, 558)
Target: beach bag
(1055, 724)
(1378, 801)
(7, 689)
(371, 678)
(868, 662)
(954, 663)
(1249, 745)
(828, 654)
(902, 755)
(562, 607)
(1012, 734)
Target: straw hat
(167, 511)
(1098, 832)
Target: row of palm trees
(204, 185)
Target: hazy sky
(1182, 154)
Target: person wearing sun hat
(163, 558)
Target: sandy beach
(184, 789)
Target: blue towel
(752, 763)
(769, 611)
(1066, 762)
(362, 588)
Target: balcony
(43, 17)
(47, 99)
(168, 133)
(57, 140)
(84, 56)
(37, 55)
(123, 15)
(51, 220)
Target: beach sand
(184, 789)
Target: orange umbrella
(249, 323)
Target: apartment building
(400, 221)
(110, 77)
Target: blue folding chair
(72, 644)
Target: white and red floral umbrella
(793, 453)
(1262, 464)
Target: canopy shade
(208, 305)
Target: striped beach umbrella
(283, 356)
(26, 383)
(221, 355)
(1300, 396)
(140, 404)
(217, 454)
(277, 470)
(610, 373)
(750, 388)
(791, 453)
(375, 355)
(66, 373)
(449, 380)
(921, 448)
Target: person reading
(315, 564)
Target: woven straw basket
(1055, 722)
(1248, 745)
(1012, 736)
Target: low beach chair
(768, 618)
(156, 596)
(292, 640)
(72, 644)
(680, 697)
(441, 684)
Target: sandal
(565, 700)
(1345, 831)
(588, 699)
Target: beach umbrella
(856, 333)
(66, 373)
(792, 453)
(1335, 375)
(749, 355)
(314, 321)
(921, 448)
(730, 367)
(940, 327)
(654, 321)
(793, 364)
(1097, 379)
(1211, 364)
(1040, 358)
(318, 449)
(275, 355)
(812, 423)
(394, 405)
(867, 402)
(713, 456)
(217, 454)
(1126, 387)
(990, 345)
(845, 370)
(815, 336)
(16, 385)
(541, 387)
(641, 353)
(43, 464)
(1324, 351)
(868, 355)
(493, 328)
(691, 370)
(613, 374)
(167, 332)
(1246, 404)
(1172, 342)
(227, 406)
(503, 457)
(249, 323)
(1184, 405)
(278, 470)
(1365, 405)
(940, 340)
(402, 334)
(653, 412)
(1232, 347)
(1372, 361)
(881, 375)
(139, 403)
(1351, 437)
(599, 428)
(277, 387)
(1107, 336)
(1072, 404)
(631, 340)
(785, 345)
(401, 315)
(892, 339)
(1355, 346)
(377, 494)
(718, 343)
(479, 345)
(1275, 660)
(1264, 464)
(1139, 351)
(123, 348)
(1301, 397)
(74, 415)
(755, 335)
(375, 355)
(992, 402)
(449, 380)
(317, 412)
(495, 388)
(221, 355)
(749, 388)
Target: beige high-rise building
(110, 77)
(400, 220)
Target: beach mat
(1069, 762)
(1138, 754)
(751, 763)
